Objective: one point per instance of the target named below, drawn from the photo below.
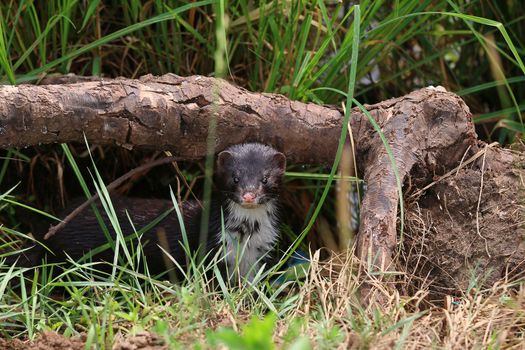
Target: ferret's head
(250, 174)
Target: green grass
(290, 47)
(320, 51)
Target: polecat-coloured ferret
(248, 178)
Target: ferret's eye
(236, 179)
(265, 180)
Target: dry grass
(328, 309)
(493, 318)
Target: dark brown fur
(251, 163)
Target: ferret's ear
(223, 158)
(280, 160)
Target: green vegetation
(321, 51)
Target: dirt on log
(428, 131)
(467, 229)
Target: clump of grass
(322, 311)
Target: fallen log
(167, 113)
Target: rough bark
(428, 132)
(168, 113)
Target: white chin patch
(250, 205)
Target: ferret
(248, 177)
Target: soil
(54, 341)
(456, 236)
(140, 341)
(45, 341)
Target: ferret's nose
(248, 197)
